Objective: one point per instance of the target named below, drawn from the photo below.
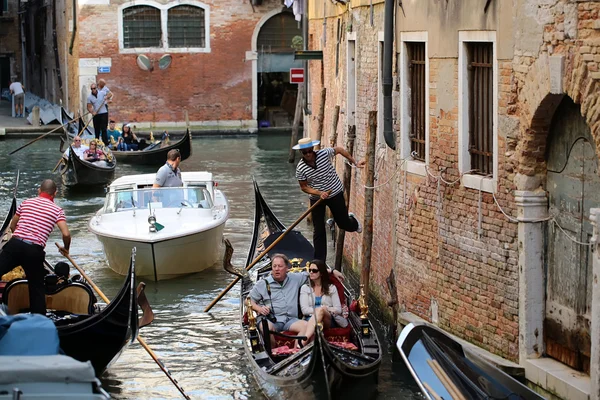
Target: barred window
(186, 26)
(141, 27)
(416, 84)
(481, 106)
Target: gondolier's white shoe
(330, 222)
(359, 229)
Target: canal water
(202, 350)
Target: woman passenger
(319, 299)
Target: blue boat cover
(28, 334)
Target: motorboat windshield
(169, 197)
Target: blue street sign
(103, 70)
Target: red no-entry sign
(296, 75)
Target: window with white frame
(478, 109)
(414, 82)
(152, 27)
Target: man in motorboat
(34, 220)
(169, 175)
(276, 297)
(317, 177)
(78, 148)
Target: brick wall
(429, 234)
(214, 86)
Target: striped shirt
(37, 218)
(323, 177)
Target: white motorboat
(176, 231)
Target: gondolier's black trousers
(100, 127)
(31, 257)
(337, 206)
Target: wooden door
(573, 188)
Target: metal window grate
(416, 81)
(186, 26)
(481, 85)
(141, 27)
(277, 34)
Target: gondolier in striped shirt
(34, 220)
(318, 178)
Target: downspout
(307, 110)
(74, 27)
(388, 47)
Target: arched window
(186, 26)
(141, 27)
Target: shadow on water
(202, 350)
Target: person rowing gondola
(31, 225)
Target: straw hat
(305, 143)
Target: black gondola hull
(321, 371)
(422, 345)
(102, 337)
(79, 173)
(158, 156)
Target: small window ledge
(416, 167)
(138, 50)
(479, 182)
(558, 379)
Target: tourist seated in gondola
(113, 134)
(78, 148)
(94, 154)
(276, 297)
(128, 140)
(320, 299)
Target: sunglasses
(305, 152)
(93, 88)
(313, 270)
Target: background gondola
(77, 173)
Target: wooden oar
(139, 338)
(43, 136)
(261, 255)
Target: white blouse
(307, 300)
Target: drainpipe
(305, 47)
(388, 47)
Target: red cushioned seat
(283, 341)
(338, 334)
(339, 287)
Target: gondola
(444, 369)
(340, 362)
(88, 330)
(156, 155)
(153, 154)
(76, 172)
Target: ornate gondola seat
(74, 298)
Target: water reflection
(202, 350)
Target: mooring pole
(296, 125)
(368, 221)
(347, 181)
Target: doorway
(573, 188)
(276, 96)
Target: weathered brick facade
(458, 260)
(213, 86)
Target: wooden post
(296, 125)
(347, 182)
(368, 225)
(321, 117)
(334, 134)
